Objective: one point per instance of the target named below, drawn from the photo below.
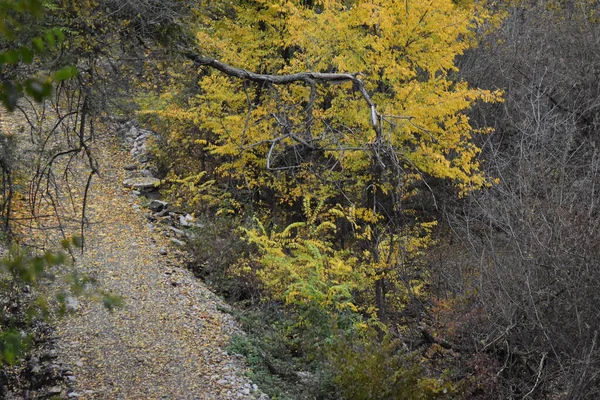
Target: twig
(539, 374)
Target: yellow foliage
(266, 148)
(404, 52)
(300, 266)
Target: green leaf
(34, 7)
(11, 56)
(60, 36)
(12, 345)
(64, 74)
(38, 90)
(38, 44)
(111, 301)
(61, 299)
(77, 240)
(49, 36)
(5, 30)
(65, 244)
(26, 55)
(38, 265)
(9, 94)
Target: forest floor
(168, 340)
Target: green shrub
(367, 368)
(285, 356)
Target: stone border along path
(169, 339)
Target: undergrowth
(279, 353)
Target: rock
(177, 242)
(222, 382)
(245, 391)
(176, 231)
(73, 395)
(54, 390)
(128, 130)
(138, 148)
(147, 173)
(55, 368)
(162, 213)
(166, 220)
(132, 132)
(145, 134)
(162, 252)
(158, 205)
(71, 304)
(120, 119)
(130, 167)
(304, 377)
(186, 220)
(177, 211)
(142, 183)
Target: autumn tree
(322, 120)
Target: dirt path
(169, 339)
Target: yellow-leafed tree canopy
(352, 103)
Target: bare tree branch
(307, 77)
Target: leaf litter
(168, 340)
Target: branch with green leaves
(14, 53)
